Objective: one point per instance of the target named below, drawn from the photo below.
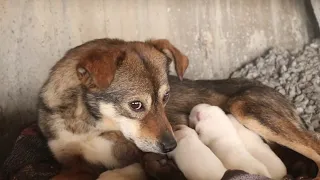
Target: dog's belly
(93, 148)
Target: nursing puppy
(193, 158)
(131, 172)
(260, 150)
(217, 132)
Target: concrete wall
(218, 36)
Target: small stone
(283, 69)
(314, 45)
(299, 110)
(311, 102)
(286, 75)
(315, 97)
(260, 63)
(298, 90)
(292, 92)
(310, 109)
(299, 98)
(305, 102)
(282, 91)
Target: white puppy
(217, 132)
(131, 172)
(260, 150)
(194, 159)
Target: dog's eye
(166, 97)
(136, 106)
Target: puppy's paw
(160, 167)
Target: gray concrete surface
(218, 36)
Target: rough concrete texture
(295, 74)
(217, 35)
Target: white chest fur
(90, 146)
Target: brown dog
(111, 84)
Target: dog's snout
(168, 143)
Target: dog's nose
(168, 143)
(167, 147)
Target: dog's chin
(146, 146)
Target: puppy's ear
(97, 68)
(180, 60)
(198, 116)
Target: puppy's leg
(270, 115)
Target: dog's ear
(180, 60)
(97, 68)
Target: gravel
(295, 74)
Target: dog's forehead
(144, 68)
(148, 54)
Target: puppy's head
(127, 83)
(198, 113)
(205, 112)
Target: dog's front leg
(78, 169)
(123, 151)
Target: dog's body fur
(101, 85)
(260, 150)
(204, 164)
(217, 132)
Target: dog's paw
(160, 167)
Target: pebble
(299, 98)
